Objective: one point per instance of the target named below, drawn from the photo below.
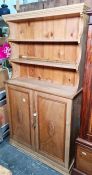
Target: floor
(20, 163)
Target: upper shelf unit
(51, 43)
(55, 25)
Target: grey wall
(10, 3)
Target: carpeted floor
(21, 164)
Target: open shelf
(40, 62)
(45, 41)
(45, 86)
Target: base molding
(35, 155)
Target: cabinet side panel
(14, 50)
(14, 30)
(75, 123)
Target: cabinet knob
(83, 153)
(35, 114)
(24, 100)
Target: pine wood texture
(76, 9)
(43, 124)
(57, 49)
(21, 109)
(44, 86)
(56, 64)
(51, 133)
(44, 94)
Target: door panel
(51, 125)
(20, 115)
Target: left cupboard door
(20, 114)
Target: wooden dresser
(83, 162)
(44, 94)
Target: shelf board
(40, 62)
(45, 86)
(45, 41)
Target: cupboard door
(51, 111)
(19, 101)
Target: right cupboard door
(51, 112)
